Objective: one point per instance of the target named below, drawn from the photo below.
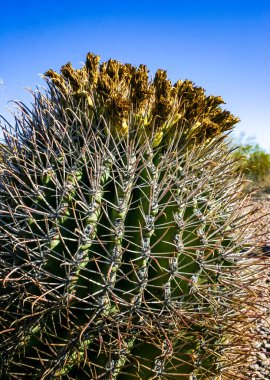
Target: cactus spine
(121, 234)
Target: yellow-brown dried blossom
(124, 92)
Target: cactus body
(121, 235)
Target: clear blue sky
(222, 45)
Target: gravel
(261, 368)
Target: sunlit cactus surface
(124, 245)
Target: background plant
(255, 163)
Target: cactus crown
(158, 106)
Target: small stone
(262, 356)
(259, 375)
(257, 344)
(266, 362)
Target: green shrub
(255, 163)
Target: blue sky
(223, 46)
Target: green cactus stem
(124, 250)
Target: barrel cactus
(124, 245)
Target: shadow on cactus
(124, 245)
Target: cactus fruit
(124, 249)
